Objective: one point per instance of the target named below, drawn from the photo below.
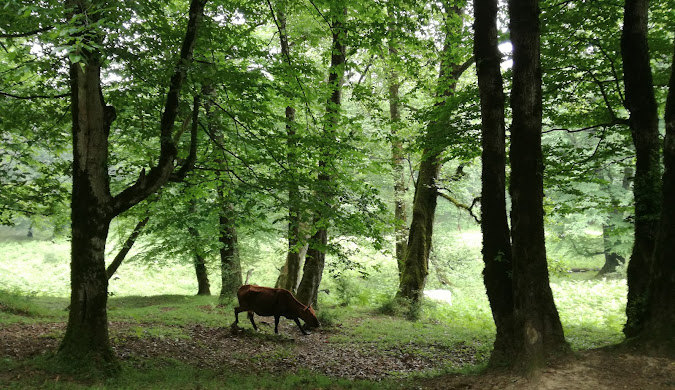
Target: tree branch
(160, 174)
(189, 162)
(30, 97)
(122, 254)
(27, 33)
(617, 121)
(459, 204)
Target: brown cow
(277, 302)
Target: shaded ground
(264, 352)
(588, 370)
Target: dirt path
(255, 352)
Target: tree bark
(658, 331)
(91, 213)
(203, 285)
(494, 222)
(416, 261)
(537, 329)
(643, 122)
(316, 254)
(397, 154)
(93, 207)
(230, 263)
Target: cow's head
(309, 316)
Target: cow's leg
(297, 321)
(250, 317)
(276, 324)
(237, 310)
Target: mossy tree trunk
(296, 246)
(538, 333)
(416, 260)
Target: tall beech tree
(230, 262)
(397, 153)
(657, 331)
(93, 205)
(538, 333)
(318, 244)
(289, 277)
(644, 126)
(415, 268)
(494, 222)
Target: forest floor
(220, 348)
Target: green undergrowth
(17, 308)
(172, 310)
(355, 309)
(592, 311)
(165, 373)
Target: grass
(171, 374)
(158, 301)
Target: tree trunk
(230, 263)
(87, 331)
(308, 290)
(494, 222)
(91, 213)
(316, 254)
(203, 285)
(289, 277)
(416, 263)
(397, 155)
(658, 331)
(643, 122)
(538, 333)
(86, 339)
(295, 240)
(612, 259)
